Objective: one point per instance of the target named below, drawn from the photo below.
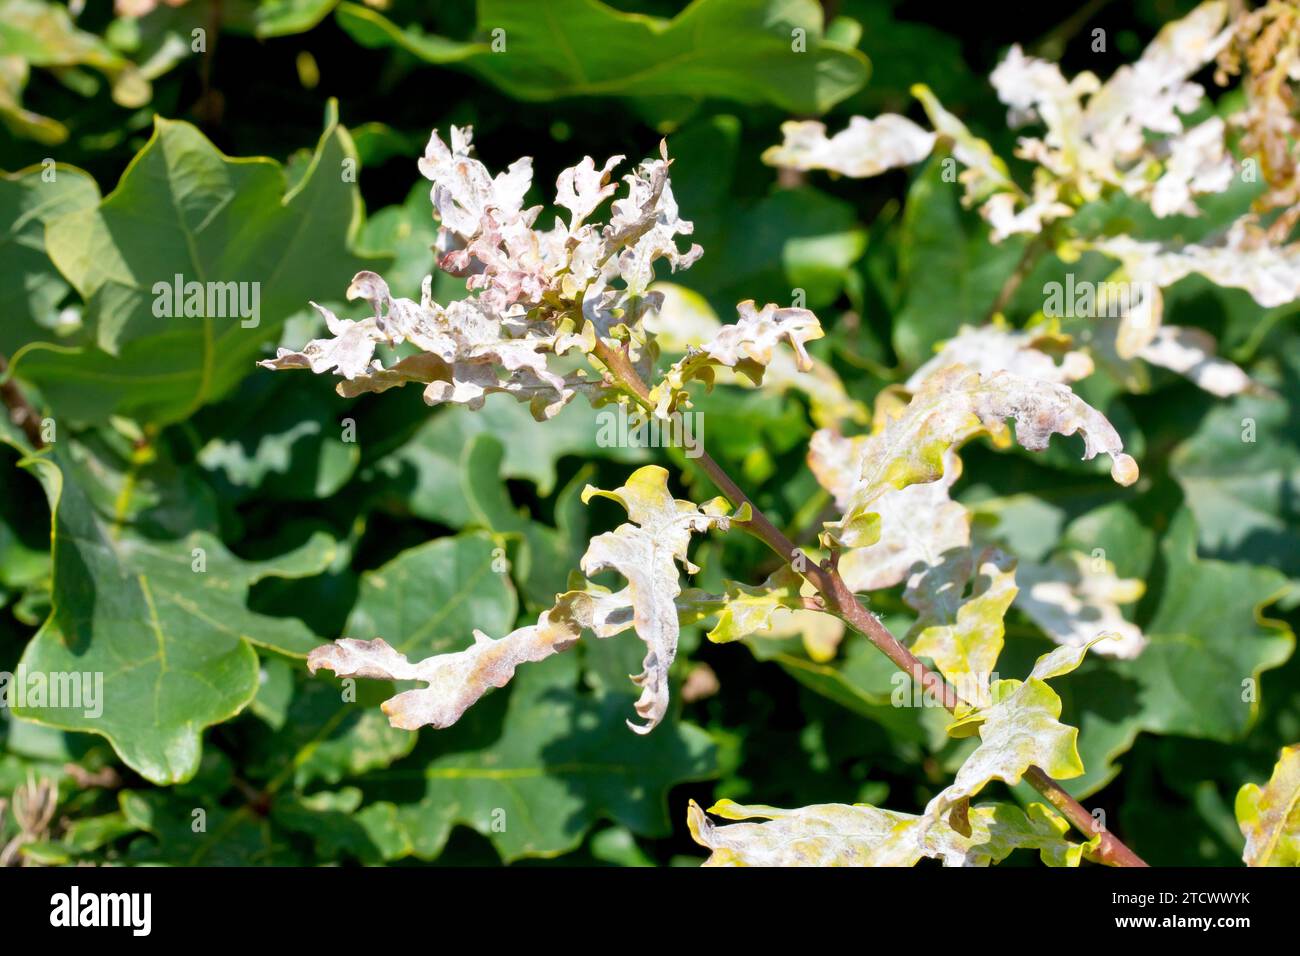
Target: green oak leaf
(938, 237)
(422, 475)
(1238, 472)
(30, 287)
(184, 209)
(173, 645)
(733, 49)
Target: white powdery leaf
(997, 348)
(685, 319)
(919, 523)
(866, 147)
(747, 345)
(1074, 602)
(349, 353)
(456, 681)
(645, 225)
(1245, 259)
(1191, 352)
(464, 192)
(580, 189)
(646, 552)
(1005, 219)
(954, 405)
(752, 337)
(863, 835)
(1097, 133)
(1198, 163)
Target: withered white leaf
(646, 551)
(952, 406)
(866, 147)
(1243, 259)
(1191, 352)
(1097, 133)
(685, 319)
(919, 523)
(457, 680)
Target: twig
(21, 412)
(840, 600)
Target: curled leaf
(455, 681)
(954, 405)
(646, 551)
(746, 345)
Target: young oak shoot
(540, 299)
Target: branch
(843, 603)
(21, 412)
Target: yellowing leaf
(1021, 729)
(863, 835)
(954, 405)
(1269, 816)
(963, 636)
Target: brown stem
(21, 412)
(1028, 258)
(843, 603)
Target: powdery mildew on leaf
(456, 681)
(685, 319)
(1097, 133)
(919, 524)
(963, 632)
(866, 147)
(1030, 353)
(954, 405)
(1074, 601)
(534, 295)
(1191, 353)
(1019, 730)
(863, 835)
(1269, 816)
(646, 551)
(1245, 258)
(747, 345)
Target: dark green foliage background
(387, 530)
